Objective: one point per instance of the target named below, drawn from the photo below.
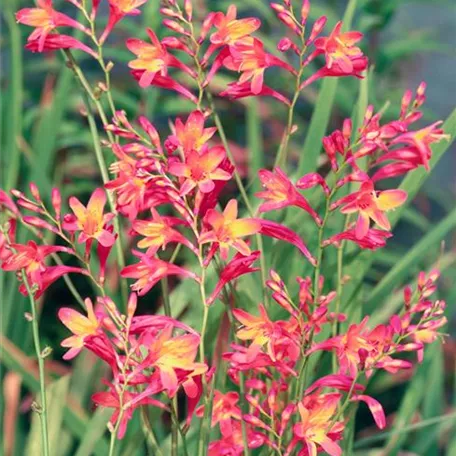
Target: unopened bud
(36, 407)
(28, 316)
(109, 66)
(46, 352)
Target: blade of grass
(322, 112)
(74, 417)
(96, 428)
(411, 401)
(56, 393)
(432, 406)
(14, 124)
(254, 143)
(400, 271)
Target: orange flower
(158, 233)
(45, 19)
(339, 48)
(371, 204)
(313, 430)
(227, 231)
(153, 59)
(192, 135)
(224, 409)
(90, 220)
(81, 327)
(230, 29)
(169, 353)
(201, 170)
(258, 329)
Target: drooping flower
(371, 204)
(248, 57)
(374, 239)
(125, 403)
(90, 220)
(236, 90)
(280, 192)
(227, 230)
(422, 139)
(152, 59)
(118, 9)
(81, 326)
(149, 271)
(45, 19)
(54, 41)
(238, 266)
(32, 259)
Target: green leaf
(254, 142)
(96, 428)
(401, 270)
(322, 112)
(411, 401)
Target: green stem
(36, 341)
(88, 93)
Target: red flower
(127, 403)
(371, 204)
(374, 239)
(359, 66)
(422, 139)
(53, 41)
(238, 266)
(118, 9)
(149, 271)
(32, 258)
(280, 192)
(237, 90)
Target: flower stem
(42, 411)
(36, 341)
(86, 94)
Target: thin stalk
(42, 413)
(88, 93)
(174, 423)
(243, 191)
(148, 432)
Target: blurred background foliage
(45, 139)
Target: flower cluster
(172, 189)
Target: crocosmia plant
(265, 330)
